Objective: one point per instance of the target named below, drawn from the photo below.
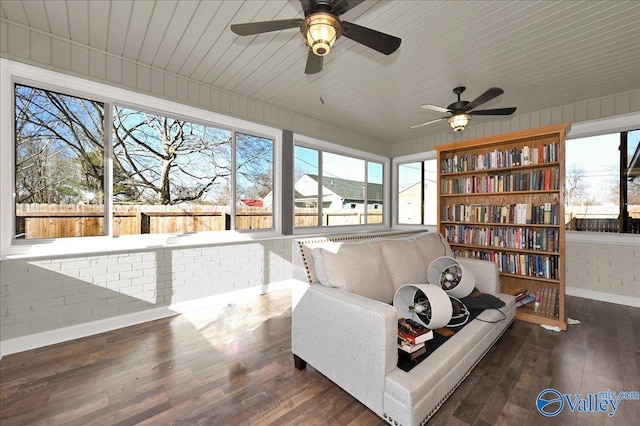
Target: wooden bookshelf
(501, 198)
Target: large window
(167, 174)
(603, 183)
(59, 165)
(332, 189)
(417, 192)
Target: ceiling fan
(321, 27)
(461, 111)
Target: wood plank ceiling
(542, 53)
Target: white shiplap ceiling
(542, 53)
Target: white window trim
(585, 129)
(397, 161)
(11, 71)
(308, 142)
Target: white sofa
(344, 324)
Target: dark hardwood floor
(233, 365)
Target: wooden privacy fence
(71, 220)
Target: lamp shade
(447, 273)
(425, 303)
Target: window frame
(397, 162)
(12, 73)
(323, 146)
(616, 124)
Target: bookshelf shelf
(501, 169)
(503, 193)
(541, 279)
(496, 224)
(502, 249)
(501, 198)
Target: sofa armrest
(350, 339)
(486, 274)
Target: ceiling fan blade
(434, 108)
(341, 6)
(485, 97)
(428, 122)
(497, 111)
(383, 43)
(265, 26)
(314, 63)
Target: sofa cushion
(358, 268)
(405, 262)
(432, 245)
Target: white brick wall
(48, 294)
(603, 267)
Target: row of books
(546, 300)
(521, 213)
(535, 180)
(531, 265)
(524, 156)
(513, 238)
(413, 337)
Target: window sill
(104, 245)
(602, 238)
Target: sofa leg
(300, 363)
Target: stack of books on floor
(412, 337)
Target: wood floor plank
(232, 365)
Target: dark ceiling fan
(321, 27)
(460, 112)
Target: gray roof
(351, 190)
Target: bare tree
(157, 159)
(169, 161)
(576, 185)
(59, 146)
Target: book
(413, 356)
(527, 299)
(413, 332)
(409, 348)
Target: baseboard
(64, 334)
(603, 297)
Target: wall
(604, 270)
(47, 300)
(600, 267)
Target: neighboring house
(409, 208)
(337, 194)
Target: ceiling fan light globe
(321, 30)
(458, 122)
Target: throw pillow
(358, 268)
